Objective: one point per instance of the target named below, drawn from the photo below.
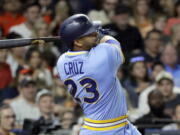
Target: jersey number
(91, 87)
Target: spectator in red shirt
(10, 15)
(5, 72)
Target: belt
(103, 125)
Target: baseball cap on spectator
(41, 93)
(27, 81)
(164, 75)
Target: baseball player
(89, 70)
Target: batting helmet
(77, 26)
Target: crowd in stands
(33, 100)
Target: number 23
(91, 87)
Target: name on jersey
(73, 68)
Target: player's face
(7, 119)
(87, 42)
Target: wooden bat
(10, 43)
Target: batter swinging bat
(10, 43)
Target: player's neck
(76, 48)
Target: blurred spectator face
(12, 5)
(109, 5)
(7, 119)
(3, 54)
(29, 92)
(43, 30)
(157, 69)
(160, 23)
(35, 59)
(122, 20)
(169, 55)
(45, 2)
(156, 102)
(142, 7)
(67, 120)
(32, 14)
(139, 70)
(17, 51)
(46, 104)
(165, 86)
(153, 43)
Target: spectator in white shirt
(32, 15)
(24, 106)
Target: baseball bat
(10, 43)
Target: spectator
(24, 106)
(32, 15)
(106, 13)
(46, 9)
(5, 71)
(156, 68)
(142, 18)
(62, 10)
(68, 120)
(47, 122)
(15, 57)
(40, 74)
(143, 107)
(138, 79)
(159, 22)
(11, 15)
(173, 20)
(176, 118)
(156, 117)
(170, 59)
(153, 43)
(7, 120)
(165, 85)
(42, 29)
(175, 35)
(127, 35)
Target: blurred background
(33, 100)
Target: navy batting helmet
(77, 26)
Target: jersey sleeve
(116, 49)
(111, 52)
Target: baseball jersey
(91, 79)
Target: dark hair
(30, 52)
(152, 31)
(157, 63)
(175, 8)
(49, 57)
(32, 4)
(132, 78)
(122, 9)
(13, 35)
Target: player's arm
(114, 43)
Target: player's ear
(78, 43)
